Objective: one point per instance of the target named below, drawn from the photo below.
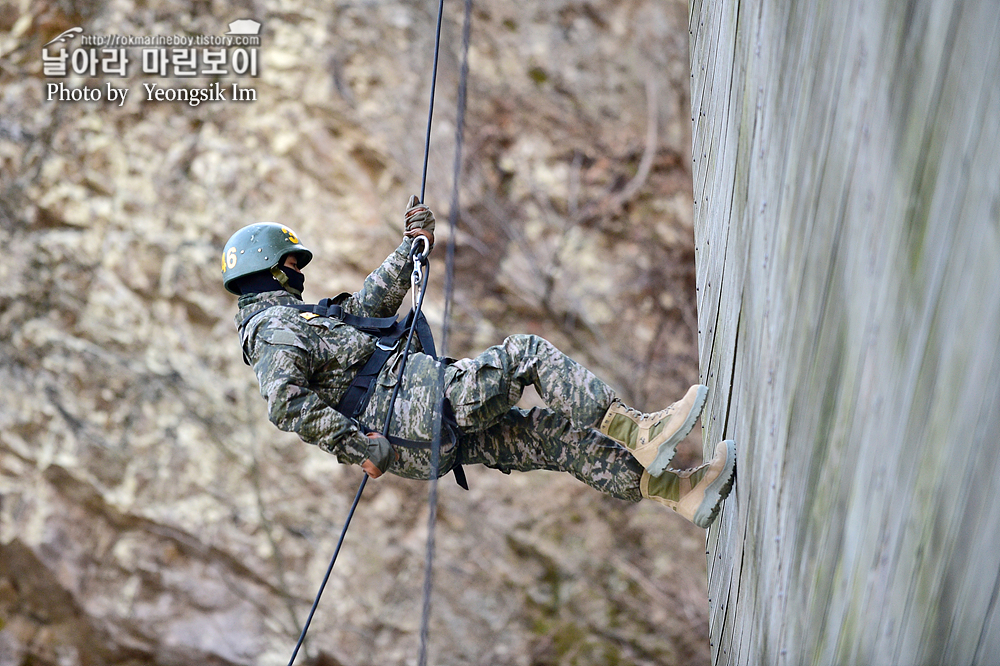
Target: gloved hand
(380, 455)
(419, 220)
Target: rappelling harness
(390, 331)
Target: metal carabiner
(420, 255)
(419, 259)
(416, 279)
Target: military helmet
(259, 247)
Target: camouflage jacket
(304, 364)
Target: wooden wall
(847, 216)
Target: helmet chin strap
(282, 279)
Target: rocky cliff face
(150, 514)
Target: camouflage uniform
(305, 363)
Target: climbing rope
(463, 78)
(449, 288)
(430, 109)
(329, 570)
(419, 277)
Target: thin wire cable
(449, 290)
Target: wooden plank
(847, 229)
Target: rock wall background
(149, 513)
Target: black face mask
(296, 279)
(262, 281)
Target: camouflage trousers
(481, 393)
(482, 389)
(522, 441)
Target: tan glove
(418, 217)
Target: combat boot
(697, 494)
(653, 438)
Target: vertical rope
(448, 293)
(329, 570)
(436, 448)
(449, 274)
(364, 477)
(430, 109)
(425, 614)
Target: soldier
(328, 373)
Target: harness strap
(449, 429)
(325, 308)
(355, 399)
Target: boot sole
(667, 450)
(718, 490)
